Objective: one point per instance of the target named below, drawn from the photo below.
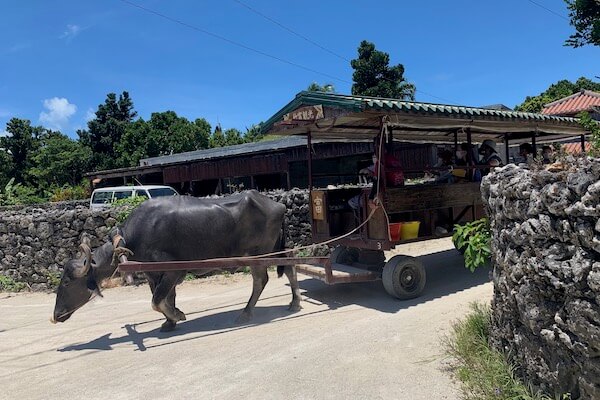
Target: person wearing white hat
(490, 155)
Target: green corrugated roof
(364, 103)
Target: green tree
(20, 146)
(233, 136)
(133, 145)
(374, 77)
(105, 131)
(218, 138)
(5, 167)
(585, 17)
(315, 87)
(254, 134)
(202, 133)
(163, 134)
(556, 91)
(60, 161)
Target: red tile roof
(574, 148)
(585, 100)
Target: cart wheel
(344, 255)
(404, 277)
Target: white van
(104, 197)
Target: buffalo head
(77, 284)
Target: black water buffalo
(176, 229)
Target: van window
(162, 192)
(102, 197)
(122, 194)
(141, 193)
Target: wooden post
(533, 145)
(455, 141)
(507, 151)
(583, 143)
(309, 149)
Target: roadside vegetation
(473, 240)
(483, 372)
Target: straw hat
(489, 143)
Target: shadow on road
(213, 324)
(446, 274)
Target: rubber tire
(400, 268)
(344, 255)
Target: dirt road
(349, 342)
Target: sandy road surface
(349, 342)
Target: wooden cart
(359, 257)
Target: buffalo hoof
(168, 326)
(294, 307)
(180, 316)
(244, 318)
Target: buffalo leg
(162, 303)
(290, 272)
(260, 277)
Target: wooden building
(273, 164)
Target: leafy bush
(14, 194)
(127, 205)
(484, 372)
(53, 279)
(66, 193)
(8, 284)
(473, 240)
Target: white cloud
(90, 114)
(59, 110)
(71, 32)
(4, 133)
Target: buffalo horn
(86, 251)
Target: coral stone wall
(35, 241)
(546, 256)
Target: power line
(549, 10)
(291, 31)
(260, 52)
(214, 35)
(323, 47)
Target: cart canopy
(337, 116)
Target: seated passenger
(547, 155)
(465, 157)
(444, 167)
(490, 158)
(525, 154)
(394, 176)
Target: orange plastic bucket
(410, 230)
(395, 229)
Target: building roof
(585, 100)
(229, 151)
(347, 116)
(575, 148)
(498, 106)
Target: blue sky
(59, 59)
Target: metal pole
(583, 143)
(309, 149)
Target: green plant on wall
(8, 284)
(473, 240)
(127, 205)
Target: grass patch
(8, 284)
(484, 372)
